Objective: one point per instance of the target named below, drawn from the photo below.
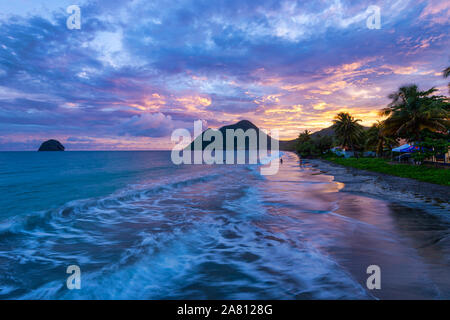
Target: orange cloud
(192, 103)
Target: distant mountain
(329, 132)
(326, 132)
(244, 125)
(51, 145)
(285, 145)
(289, 145)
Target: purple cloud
(141, 69)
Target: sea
(137, 226)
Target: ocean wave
(155, 240)
(215, 232)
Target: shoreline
(384, 185)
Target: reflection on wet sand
(410, 244)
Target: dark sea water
(140, 227)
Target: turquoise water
(32, 181)
(140, 227)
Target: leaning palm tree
(377, 138)
(411, 111)
(446, 74)
(347, 130)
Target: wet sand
(386, 186)
(414, 251)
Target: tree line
(419, 117)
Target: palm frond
(446, 72)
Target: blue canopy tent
(406, 149)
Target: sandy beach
(385, 186)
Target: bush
(422, 173)
(314, 147)
(308, 149)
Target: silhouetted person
(281, 160)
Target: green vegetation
(412, 111)
(376, 140)
(434, 144)
(419, 117)
(421, 173)
(446, 74)
(347, 130)
(313, 147)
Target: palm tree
(304, 136)
(412, 110)
(347, 129)
(446, 74)
(376, 137)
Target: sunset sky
(137, 70)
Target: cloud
(437, 11)
(139, 68)
(76, 139)
(148, 125)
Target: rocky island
(51, 145)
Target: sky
(137, 70)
